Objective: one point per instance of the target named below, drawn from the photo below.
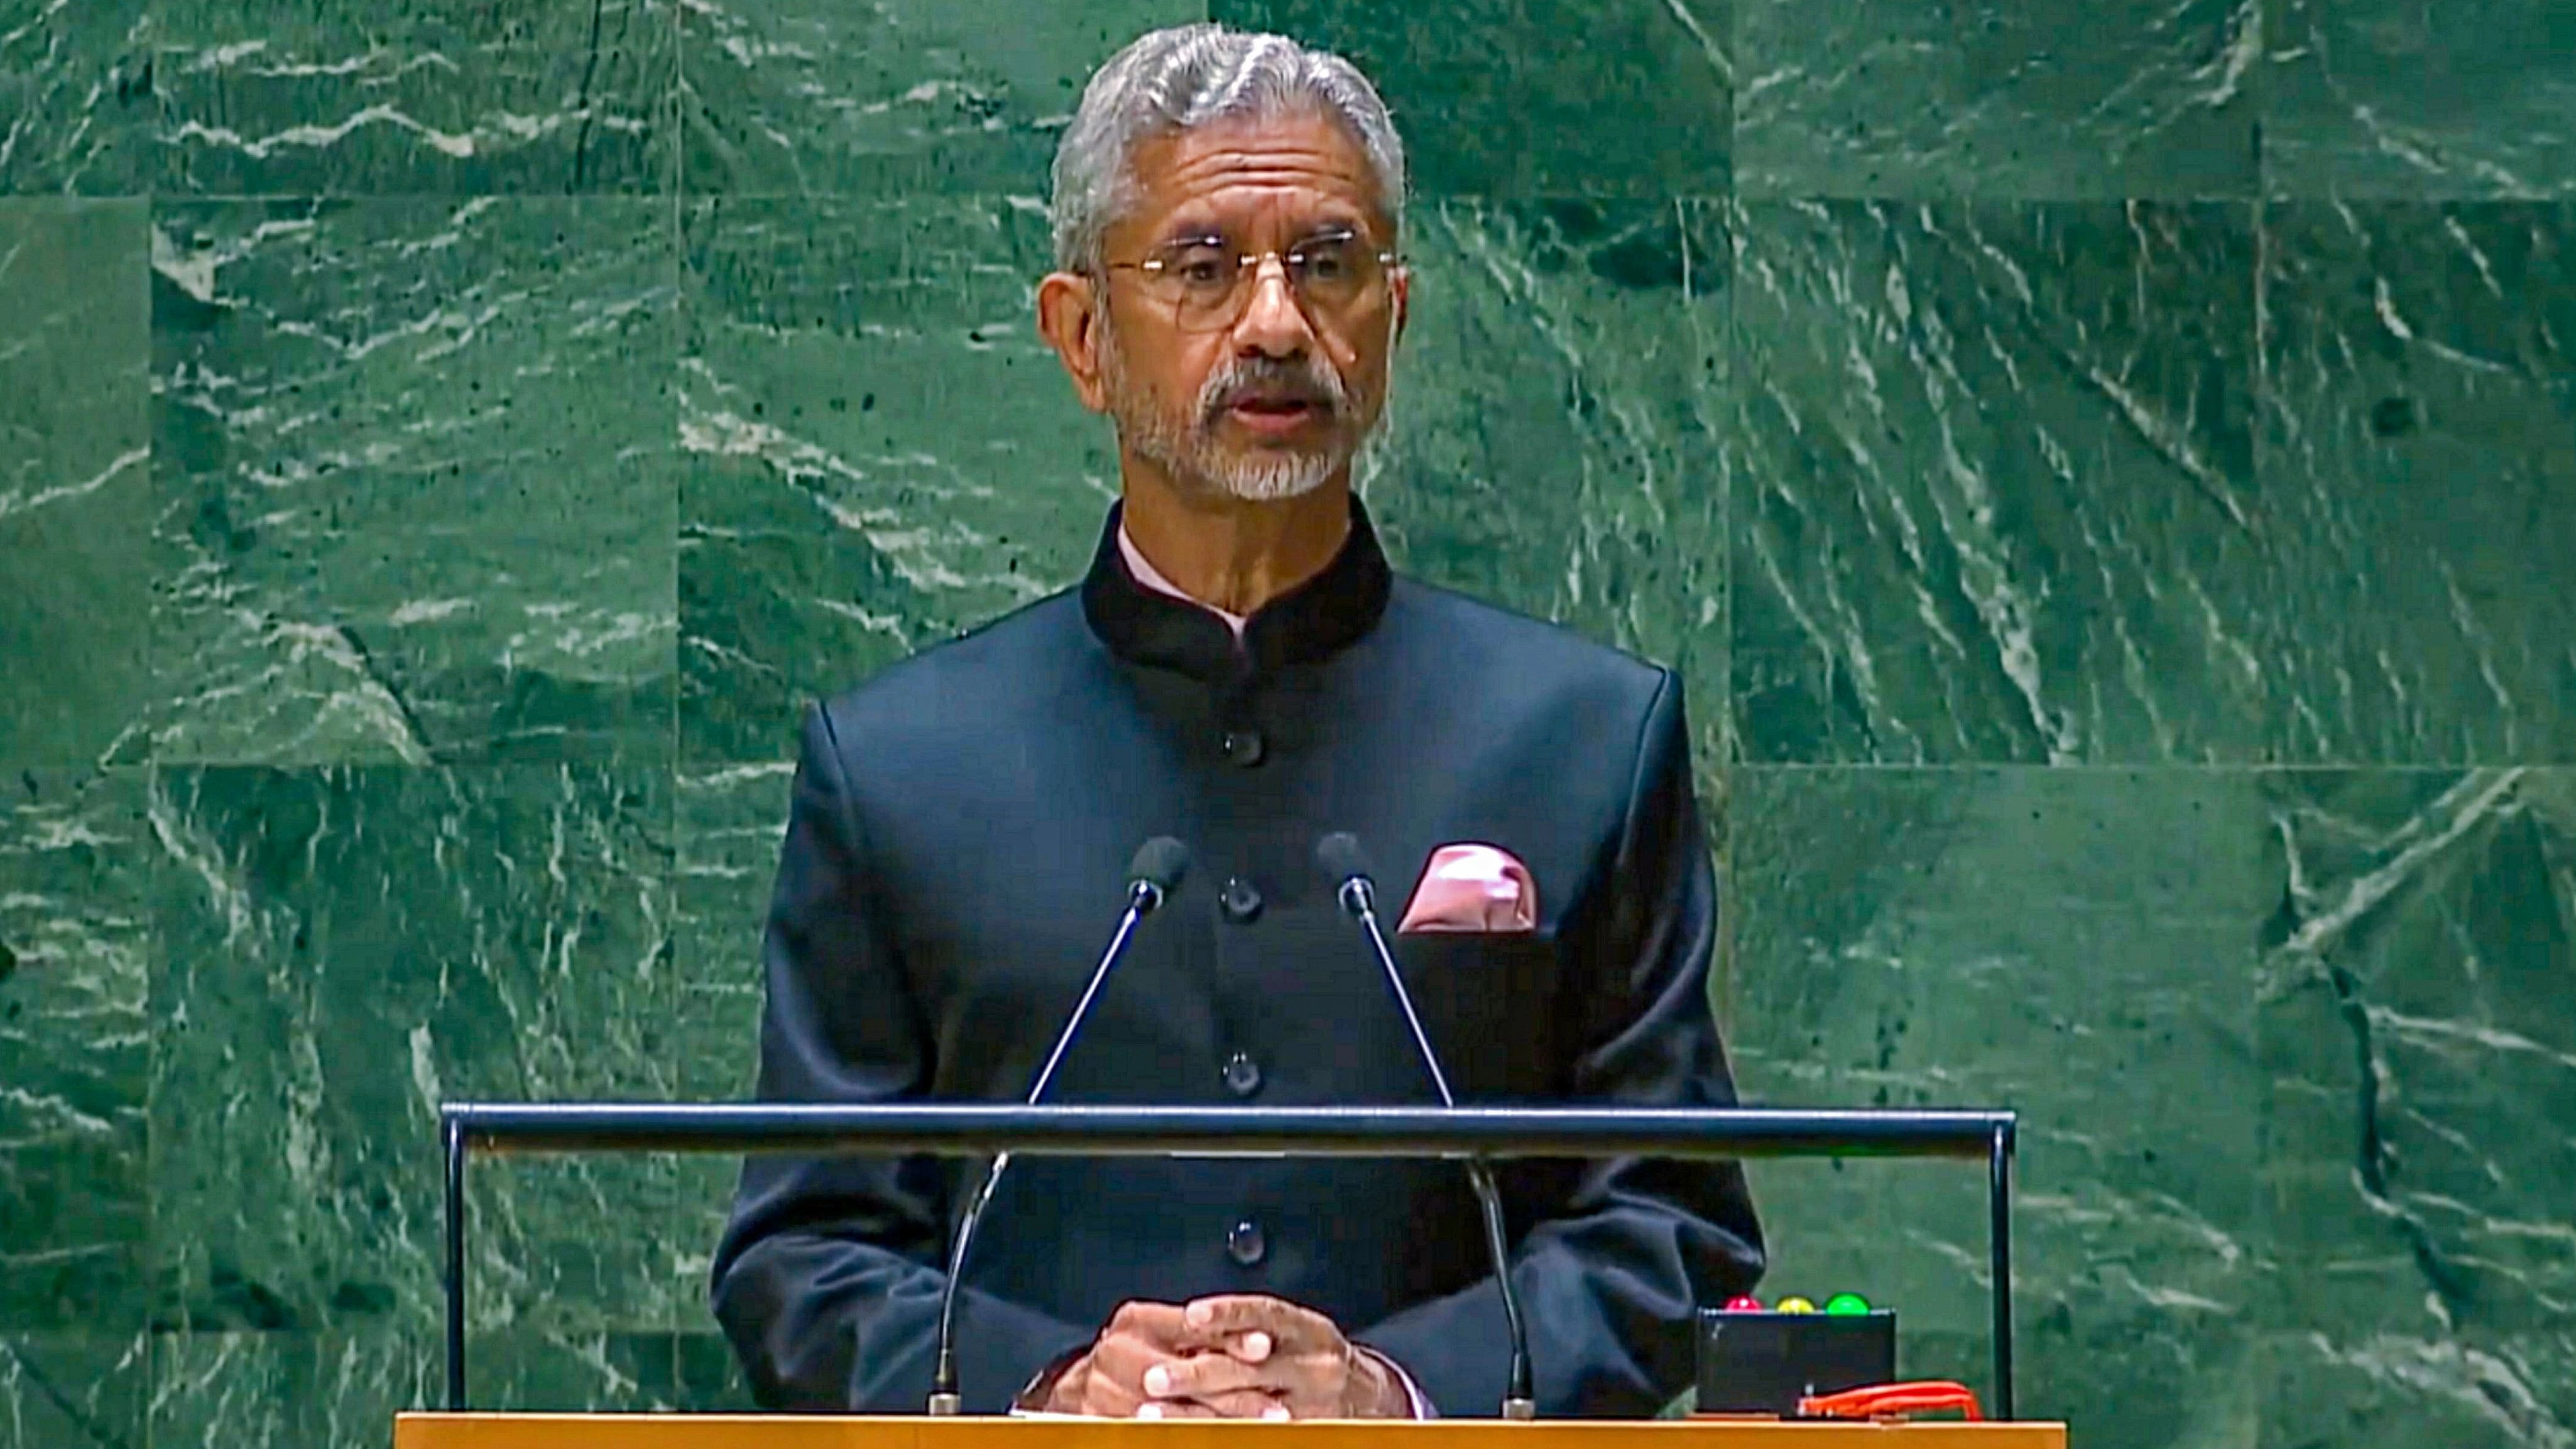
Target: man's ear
(1069, 319)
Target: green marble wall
(2108, 471)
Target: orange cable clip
(1881, 1401)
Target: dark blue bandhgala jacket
(955, 855)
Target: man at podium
(1242, 672)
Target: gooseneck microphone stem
(1358, 897)
(944, 1398)
(1142, 898)
(1520, 1401)
(1157, 868)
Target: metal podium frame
(974, 1130)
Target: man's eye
(1198, 267)
(1329, 263)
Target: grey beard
(1254, 478)
(1190, 453)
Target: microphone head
(1159, 863)
(1341, 858)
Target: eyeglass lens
(1208, 279)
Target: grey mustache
(1272, 381)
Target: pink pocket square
(1473, 888)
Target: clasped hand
(1238, 1356)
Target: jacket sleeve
(828, 1277)
(1611, 1262)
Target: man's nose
(1272, 323)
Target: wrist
(1388, 1396)
(1056, 1387)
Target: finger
(1208, 1322)
(1176, 1409)
(1202, 1375)
(1065, 1395)
(1106, 1399)
(1244, 1404)
(1124, 1359)
(1312, 1383)
(1145, 1318)
(1254, 1347)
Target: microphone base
(1520, 1410)
(945, 1406)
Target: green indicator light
(1847, 1304)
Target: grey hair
(1175, 80)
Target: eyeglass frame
(1250, 264)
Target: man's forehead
(1300, 160)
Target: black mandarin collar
(1316, 619)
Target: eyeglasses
(1207, 283)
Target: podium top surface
(793, 1431)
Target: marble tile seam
(681, 192)
(684, 197)
(980, 188)
(2141, 767)
(678, 281)
(161, 200)
(2261, 210)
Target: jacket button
(1244, 747)
(1244, 1244)
(1242, 1075)
(1239, 900)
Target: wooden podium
(979, 1128)
(790, 1431)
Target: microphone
(1346, 865)
(1151, 877)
